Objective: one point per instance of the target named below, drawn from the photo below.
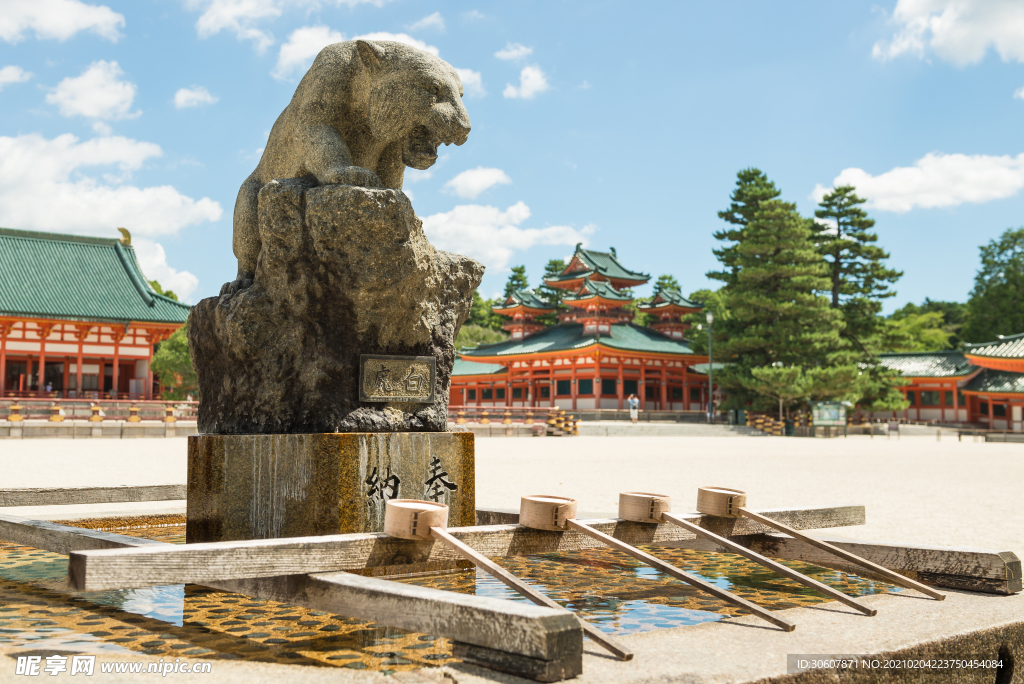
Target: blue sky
(612, 123)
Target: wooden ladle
(423, 520)
(732, 503)
(558, 514)
(643, 507)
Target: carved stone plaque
(407, 379)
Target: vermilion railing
(36, 408)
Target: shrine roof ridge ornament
(606, 264)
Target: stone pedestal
(272, 486)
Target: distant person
(634, 408)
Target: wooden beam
(64, 539)
(211, 562)
(994, 572)
(875, 568)
(90, 495)
(512, 626)
(542, 642)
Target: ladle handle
(769, 563)
(681, 575)
(845, 555)
(513, 582)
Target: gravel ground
(915, 489)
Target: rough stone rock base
(342, 272)
(273, 486)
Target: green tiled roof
(940, 364)
(469, 368)
(569, 336)
(605, 263)
(990, 380)
(668, 297)
(524, 298)
(1009, 347)
(78, 278)
(591, 289)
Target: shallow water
(608, 588)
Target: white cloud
(472, 83)
(415, 175)
(513, 51)
(470, 184)
(936, 180)
(493, 236)
(473, 15)
(305, 43)
(45, 184)
(958, 31)
(242, 17)
(399, 38)
(14, 74)
(531, 82)
(153, 262)
(434, 21)
(59, 19)
(1019, 93)
(99, 93)
(193, 97)
(238, 17)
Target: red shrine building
(595, 357)
(78, 318)
(982, 385)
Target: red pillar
(619, 385)
(642, 389)
(67, 372)
(956, 405)
(117, 368)
(664, 387)
(572, 385)
(991, 415)
(5, 329)
(686, 389)
(43, 334)
(78, 369)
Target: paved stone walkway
(916, 489)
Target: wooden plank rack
(533, 641)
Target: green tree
(752, 188)
(161, 291)
(910, 317)
(482, 315)
(713, 301)
(516, 281)
(475, 335)
(858, 278)
(172, 364)
(776, 316)
(917, 332)
(785, 384)
(666, 283)
(551, 295)
(996, 304)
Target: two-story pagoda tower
(594, 358)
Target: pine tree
(516, 281)
(858, 278)
(666, 283)
(776, 313)
(551, 295)
(752, 188)
(996, 305)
